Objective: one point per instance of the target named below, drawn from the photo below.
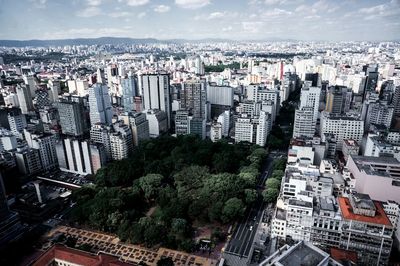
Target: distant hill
(97, 41)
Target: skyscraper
(24, 98)
(156, 93)
(99, 105)
(129, 93)
(72, 119)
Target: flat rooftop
(348, 214)
(303, 254)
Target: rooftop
(342, 255)
(348, 214)
(77, 257)
(303, 254)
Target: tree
(178, 226)
(270, 195)
(233, 208)
(165, 261)
(277, 174)
(150, 184)
(250, 196)
(273, 183)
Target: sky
(332, 20)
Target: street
(243, 236)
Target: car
(251, 228)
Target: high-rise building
(379, 113)
(225, 120)
(29, 80)
(24, 98)
(129, 91)
(262, 128)
(158, 122)
(216, 131)
(304, 124)
(98, 156)
(342, 127)
(45, 144)
(156, 93)
(197, 126)
(338, 100)
(194, 98)
(182, 122)
(55, 88)
(73, 156)
(42, 98)
(72, 117)
(139, 126)
(310, 97)
(17, 121)
(100, 105)
(10, 225)
(121, 141)
(28, 161)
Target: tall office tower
(100, 134)
(158, 122)
(244, 129)
(121, 141)
(100, 76)
(342, 127)
(45, 144)
(197, 126)
(30, 81)
(220, 98)
(310, 97)
(139, 126)
(225, 120)
(10, 225)
(156, 93)
(182, 122)
(100, 105)
(112, 71)
(262, 128)
(396, 101)
(74, 156)
(194, 98)
(55, 88)
(315, 79)
(216, 131)
(98, 156)
(338, 99)
(17, 121)
(42, 98)
(72, 118)
(304, 125)
(24, 98)
(371, 80)
(28, 161)
(129, 92)
(379, 113)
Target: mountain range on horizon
(113, 41)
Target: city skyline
(198, 19)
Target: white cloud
(141, 15)
(277, 12)
(119, 14)
(226, 29)
(39, 3)
(135, 2)
(252, 26)
(192, 4)
(272, 2)
(89, 12)
(217, 15)
(94, 2)
(87, 32)
(161, 8)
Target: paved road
(243, 236)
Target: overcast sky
(196, 19)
